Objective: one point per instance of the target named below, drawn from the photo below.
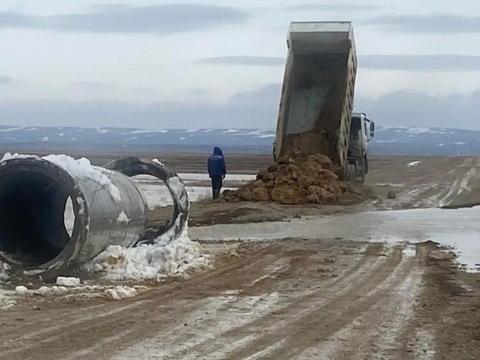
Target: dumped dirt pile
(299, 180)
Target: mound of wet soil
(300, 180)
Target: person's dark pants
(216, 186)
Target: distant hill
(425, 141)
(388, 140)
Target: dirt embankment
(296, 180)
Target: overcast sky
(202, 64)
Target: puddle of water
(458, 228)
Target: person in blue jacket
(216, 170)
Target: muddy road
(315, 297)
(278, 300)
(416, 182)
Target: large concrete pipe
(108, 209)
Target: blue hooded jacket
(216, 163)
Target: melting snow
(21, 290)
(165, 258)
(414, 164)
(6, 300)
(85, 170)
(67, 281)
(81, 168)
(12, 129)
(123, 218)
(422, 130)
(121, 292)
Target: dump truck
(316, 104)
(362, 131)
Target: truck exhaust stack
(108, 209)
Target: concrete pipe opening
(57, 213)
(34, 197)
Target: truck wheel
(350, 173)
(361, 171)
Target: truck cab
(362, 130)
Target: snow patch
(67, 281)
(410, 251)
(422, 130)
(391, 141)
(141, 132)
(21, 289)
(85, 170)
(123, 218)
(81, 168)
(121, 292)
(6, 300)
(414, 164)
(151, 262)
(4, 268)
(12, 129)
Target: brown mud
(284, 299)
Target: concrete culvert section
(158, 198)
(32, 205)
(57, 213)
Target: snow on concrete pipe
(106, 206)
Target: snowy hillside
(425, 141)
(388, 140)
(132, 138)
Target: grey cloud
(333, 7)
(379, 62)
(251, 109)
(427, 23)
(5, 80)
(243, 60)
(92, 84)
(408, 108)
(170, 18)
(421, 62)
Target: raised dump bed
(318, 89)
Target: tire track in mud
(304, 328)
(76, 334)
(274, 304)
(436, 182)
(36, 319)
(382, 330)
(206, 343)
(90, 329)
(176, 343)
